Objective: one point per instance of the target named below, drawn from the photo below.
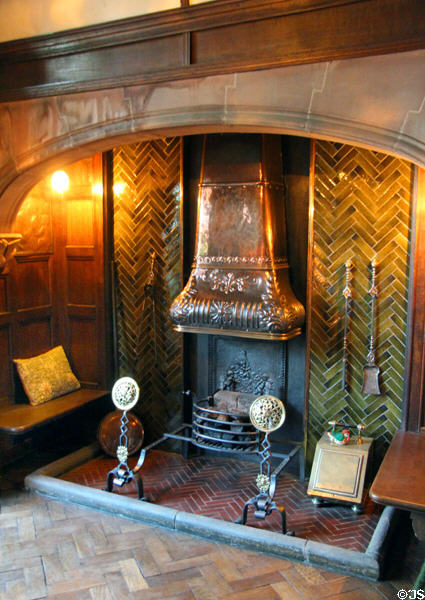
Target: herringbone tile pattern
(61, 551)
(218, 487)
(147, 219)
(362, 211)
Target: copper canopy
(239, 284)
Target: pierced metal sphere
(267, 413)
(125, 393)
(263, 482)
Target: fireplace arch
(375, 102)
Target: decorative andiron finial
(125, 393)
(267, 413)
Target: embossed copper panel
(239, 284)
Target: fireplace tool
(347, 295)
(149, 295)
(125, 395)
(267, 414)
(148, 311)
(371, 370)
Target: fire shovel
(371, 370)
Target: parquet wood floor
(52, 549)
(60, 551)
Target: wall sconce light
(97, 189)
(60, 181)
(119, 188)
(8, 242)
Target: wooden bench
(18, 419)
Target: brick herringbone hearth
(61, 551)
(218, 487)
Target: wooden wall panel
(33, 282)
(83, 272)
(80, 220)
(83, 346)
(31, 308)
(6, 377)
(3, 294)
(32, 336)
(81, 280)
(213, 37)
(34, 222)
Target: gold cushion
(46, 376)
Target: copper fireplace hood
(239, 284)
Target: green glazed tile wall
(362, 210)
(146, 218)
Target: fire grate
(218, 429)
(221, 423)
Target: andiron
(263, 502)
(125, 395)
(267, 414)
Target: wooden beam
(212, 38)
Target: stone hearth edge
(366, 564)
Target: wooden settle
(53, 293)
(19, 419)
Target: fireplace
(360, 102)
(238, 294)
(348, 102)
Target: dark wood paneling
(32, 336)
(80, 221)
(30, 310)
(34, 222)
(308, 36)
(138, 57)
(81, 281)
(216, 37)
(33, 282)
(414, 415)
(82, 267)
(83, 347)
(154, 25)
(3, 294)
(6, 381)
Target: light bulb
(119, 188)
(97, 189)
(60, 181)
